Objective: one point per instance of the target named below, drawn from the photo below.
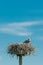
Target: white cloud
(19, 28)
(16, 31)
(24, 34)
(25, 23)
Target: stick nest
(20, 49)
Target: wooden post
(20, 60)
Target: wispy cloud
(26, 23)
(20, 28)
(16, 31)
(24, 33)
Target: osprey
(27, 41)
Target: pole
(20, 60)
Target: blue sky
(20, 20)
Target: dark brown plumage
(27, 41)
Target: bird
(27, 41)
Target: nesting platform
(20, 49)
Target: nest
(20, 49)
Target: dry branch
(20, 49)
